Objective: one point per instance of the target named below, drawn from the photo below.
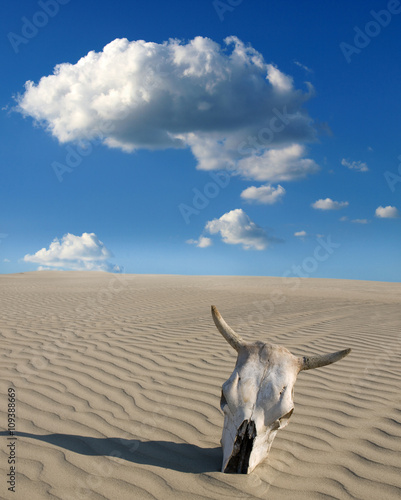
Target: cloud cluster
(266, 194)
(236, 228)
(329, 204)
(78, 253)
(227, 104)
(201, 242)
(284, 164)
(355, 165)
(388, 212)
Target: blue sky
(240, 138)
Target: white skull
(258, 398)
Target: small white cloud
(344, 218)
(387, 212)
(303, 66)
(329, 204)
(300, 234)
(6, 260)
(360, 221)
(285, 164)
(267, 194)
(236, 228)
(201, 242)
(77, 253)
(355, 165)
(370, 148)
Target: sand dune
(118, 381)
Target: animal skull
(258, 398)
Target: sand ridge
(118, 380)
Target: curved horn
(228, 333)
(309, 362)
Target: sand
(117, 385)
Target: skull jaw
(249, 448)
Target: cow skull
(258, 398)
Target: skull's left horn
(228, 333)
(309, 362)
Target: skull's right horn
(309, 362)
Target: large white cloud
(388, 212)
(329, 204)
(266, 194)
(236, 228)
(225, 103)
(84, 252)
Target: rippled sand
(118, 381)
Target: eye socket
(285, 418)
(282, 421)
(287, 415)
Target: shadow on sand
(182, 457)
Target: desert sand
(117, 384)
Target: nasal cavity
(239, 461)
